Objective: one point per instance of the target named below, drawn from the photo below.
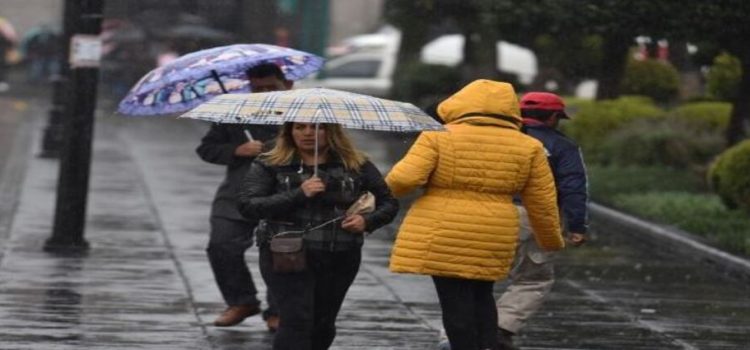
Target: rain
(106, 207)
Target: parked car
(362, 64)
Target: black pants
(226, 253)
(469, 314)
(309, 301)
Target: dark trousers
(469, 314)
(309, 301)
(226, 253)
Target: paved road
(146, 283)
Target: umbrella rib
(218, 80)
(197, 94)
(237, 108)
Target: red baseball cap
(544, 101)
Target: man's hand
(249, 149)
(576, 239)
(313, 186)
(354, 224)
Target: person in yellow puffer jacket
(463, 230)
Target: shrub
(723, 78)
(653, 78)
(728, 176)
(709, 115)
(419, 81)
(669, 142)
(701, 214)
(593, 122)
(607, 182)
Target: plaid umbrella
(196, 77)
(316, 105)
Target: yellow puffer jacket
(465, 224)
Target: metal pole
(75, 162)
(53, 132)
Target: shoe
(505, 339)
(272, 322)
(235, 314)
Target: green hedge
(709, 115)
(649, 163)
(670, 142)
(701, 214)
(605, 182)
(729, 176)
(723, 79)
(653, 78)
(594, 122)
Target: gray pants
(226, 252)
(531, 279)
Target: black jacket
(273, 193)
(567, 165)
(217, 147)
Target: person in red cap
(532, 275)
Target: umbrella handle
(218, 80)
(248, 135)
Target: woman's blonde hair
(285, 149)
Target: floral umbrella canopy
(197, 77)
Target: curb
(680, 241)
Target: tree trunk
(614, 59)
(480, 49)
(412, 40)
(741, 107)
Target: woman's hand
(249, 149)
(313, 186)
(354, 224)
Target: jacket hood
(484, 100)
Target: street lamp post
(52, 137)
(53, 132)
(75, 155)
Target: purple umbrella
(196, 77)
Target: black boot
(505, 339)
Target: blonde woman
(282, 190)
(463, 230)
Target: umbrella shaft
(315, 169)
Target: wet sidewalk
(146, 282)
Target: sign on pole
(85, 51)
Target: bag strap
(308, 229)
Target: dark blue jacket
(217, 147)
(567, 165)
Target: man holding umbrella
(236, 146)
(191, 80)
